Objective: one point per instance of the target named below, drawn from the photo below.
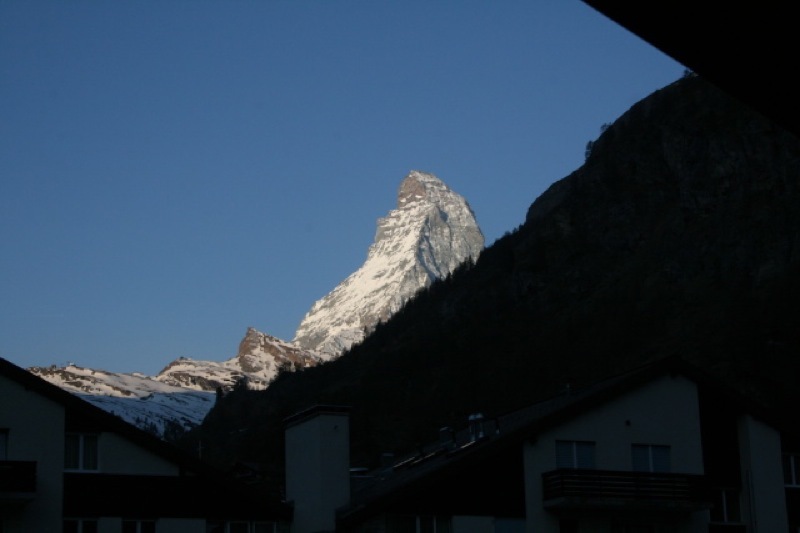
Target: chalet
(66, 465)
(662, 448)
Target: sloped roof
(743, 48)
(503, 435)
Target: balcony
(605, 490)
(17, 481)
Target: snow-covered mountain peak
(430, 233)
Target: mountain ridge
(427, 236)
(678, 236)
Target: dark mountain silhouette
(679, 236)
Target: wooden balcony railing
(17, 477)
(586, 485)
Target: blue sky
(172, 172)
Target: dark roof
(78, 409)
(501, 435)
(315, 410)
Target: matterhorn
(431, 232)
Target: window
(138, 526)
(791, 469)
(574, 454)
(80, 525)
(650, 458)
(80, 451)
(726, 506)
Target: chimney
(317, 466)
(476, 426)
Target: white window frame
(650, 457)
(727, 515)
(81, 441)
(575, 456)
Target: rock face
(430, 233)
(260, 358)
(265, 355)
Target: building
(66, 465)
(662, 448)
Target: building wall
(664, 411)
(318, 470)
(117, 455)
(763, 493)
(36, 433)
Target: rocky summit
(259, 359)
(431, 232)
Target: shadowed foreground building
(663, 448)
(66, 465)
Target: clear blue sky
(172, 172)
